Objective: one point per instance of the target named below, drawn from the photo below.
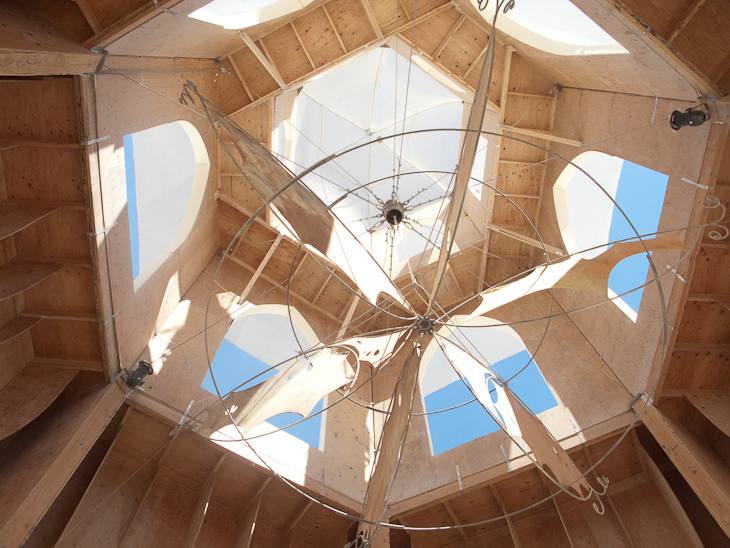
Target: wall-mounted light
(692, 117)
(136, 378)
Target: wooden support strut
(373, 21)
(201, 505)
(301, 43)
(448, 37)
(263, 59)
(260, 269)
(238, 72)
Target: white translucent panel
(271, 323)
(489, 342)
(554, 26)
(583, 208)
(239, 14)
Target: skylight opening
(166, 170)
(589, 219)
(443, 389)
(242, 362)
(241, 14)
(555, 26)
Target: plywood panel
(463, 48)
(231, 93)
(351, 22)
(287, 54)
(17, 277)
(259, 81)
(61, 236)
(69, 340)
(28, 171)
(70, 289)
(319, 37)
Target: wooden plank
(98, 243)
(129, 22)
(701, 347)
(238, 72)
(692, 9)
(662, 485)
(446, 39)
(34, 63)
(15, 218)
(455, 519)
(724, 300)
(700, 466)
(298, 517)
(713, 405)
(334, 28)
(46, 314)
(260, 269)
(661, 47)
(15, 327)
(540, 134)
(263, 59)
(17, 276)
(201, 505)
(304, 48)
(60, 363)
(12, 143)
(75, 430)
(476, 60)
(510, 524)
(247, 521)
(89, 16)
(372, 19)
(28, 394)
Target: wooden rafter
(687, 16)
(334, 28)
(373, 21)
(238, 72)
(260, 269)
(89, 16)
(455, 519)
(448, 37)
(263, 58)
(541, 134)
(348, 316)
(301, 43)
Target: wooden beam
(334, 28)
(97, 231)
(541, 134)
(263, 59)
(449, 35)
(260, 269)
(373, 21)
(129, 22)
(201, 505)
(687, 16)
(510, 524)
(455, 519)
(298, 517)
(476, 60)
(89, 16)
(701, 347)
(715, 406)
(12, 143)
(552, 489)
(238, 72)
(47, 314)
(15, 218)
(526, 239)
(304, 48)
(661, 47)
(660, 482)
(706, 473)
(53, 459)
(247, 520)
(41, 63)
(60, 363)
(321, 289)
(724, 300)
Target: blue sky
(232, 366)
(458, 426)
(132, 203)
(640, 194)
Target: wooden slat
(89, 16)
(373, 21)
(701, 347)
(334, 28)
(201, 506)
(247, 521)
(15, 327)
(301, 43)
(542, 135)
(715, 406)
(263, 59)
(12, 143)
(451, 33)
(15, 218)
(724, 300)
(700, 466)
(129, 22)
(687, 16)
(238, 72)
(47, 314)
(16, 277)
(60, 363)
(260, 269)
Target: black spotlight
(136, 378)
(692, 117)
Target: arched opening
(242, 361)
(497, 346)
(167, 169)
(589, 219)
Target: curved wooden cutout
(296, 389)
(573, 273)
(28, 394)
(313, 223)
(15, 327)
(15, 217)
(18, 276)
(547, 451)
(394, 433)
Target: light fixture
(136, 378)
(692, 117)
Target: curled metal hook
(187, 87)
(721, 232)
(598, 506)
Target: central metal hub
(393, 212)
(425, 325)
